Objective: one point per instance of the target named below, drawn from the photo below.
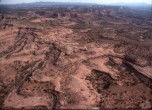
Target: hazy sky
(90, 1)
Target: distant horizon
(148, 2)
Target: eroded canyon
(75, 57)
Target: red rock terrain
(75, 57)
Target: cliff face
(79, 59)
